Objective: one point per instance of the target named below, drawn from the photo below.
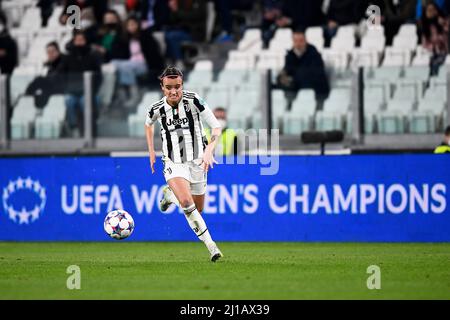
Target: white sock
(197, 224)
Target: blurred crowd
(129, 44)
(184, 21)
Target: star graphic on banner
(20, 183)
(11, 187)
(37, 186)
(35, 213)
(23, 216)
(12, 214)
(28, 183)
(5, 194)
(42, 194)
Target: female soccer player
(186, 155)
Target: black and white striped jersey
(181, 127)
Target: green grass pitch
(127, 270)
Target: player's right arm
(152, 116)
(149, 134)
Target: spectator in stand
(224, 10)
(8, 48)
(434, 29)
(272, 11)
(444, 5)
(341, 13)
(227, 143)
(295, 14)
(98, 8)
(46, 10)
(444, 147)
(141, 56)
(304, 69)
(53, 82)
(81, 57)
(110, 42)
(154, 14)
(186, 24)
(394, 13)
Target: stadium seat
(405, 42)
(106, 91)
(200, 77)
(247, 59)
(334, 111)
(374, 100)
(279, 107)
(14, 10)
(282, 40)
(31, 19)
(436, 94)
(271, 60)
(53, 21)
(397, 56)
(393, 120)
(421, 73)
(408, 29)
(242, 108)
(338, 101)
(204, 65)
(430, 111)
(219, 95)
(232, 78)
(422, 121)
(365, 58)
(49, 125)
(440, 79)
(299, 118)
(325, 121)
(136, 120)
(23, 39)
(336, 59)
(21, 77)
(251, 41)
(343, 44)
(23, 118)
(422, 57)
(346, 31)
(408, 92)
(314, 36)
(391, 73)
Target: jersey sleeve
(152, 115)
(205, 112)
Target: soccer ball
(119, 224)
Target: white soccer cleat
(165, 202)
(216, 254)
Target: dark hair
(447, 131)
(427, 23)
(171, 72)
(220, 109)
(299, 30)
(136, 19)
(113, 12)
(53, 44)
(77, 32)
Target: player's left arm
(216, 130)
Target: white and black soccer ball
(119, 224)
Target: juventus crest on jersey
(181, 127)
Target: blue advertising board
(393, 198)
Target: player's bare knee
(186, 203)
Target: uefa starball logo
(24, 200)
